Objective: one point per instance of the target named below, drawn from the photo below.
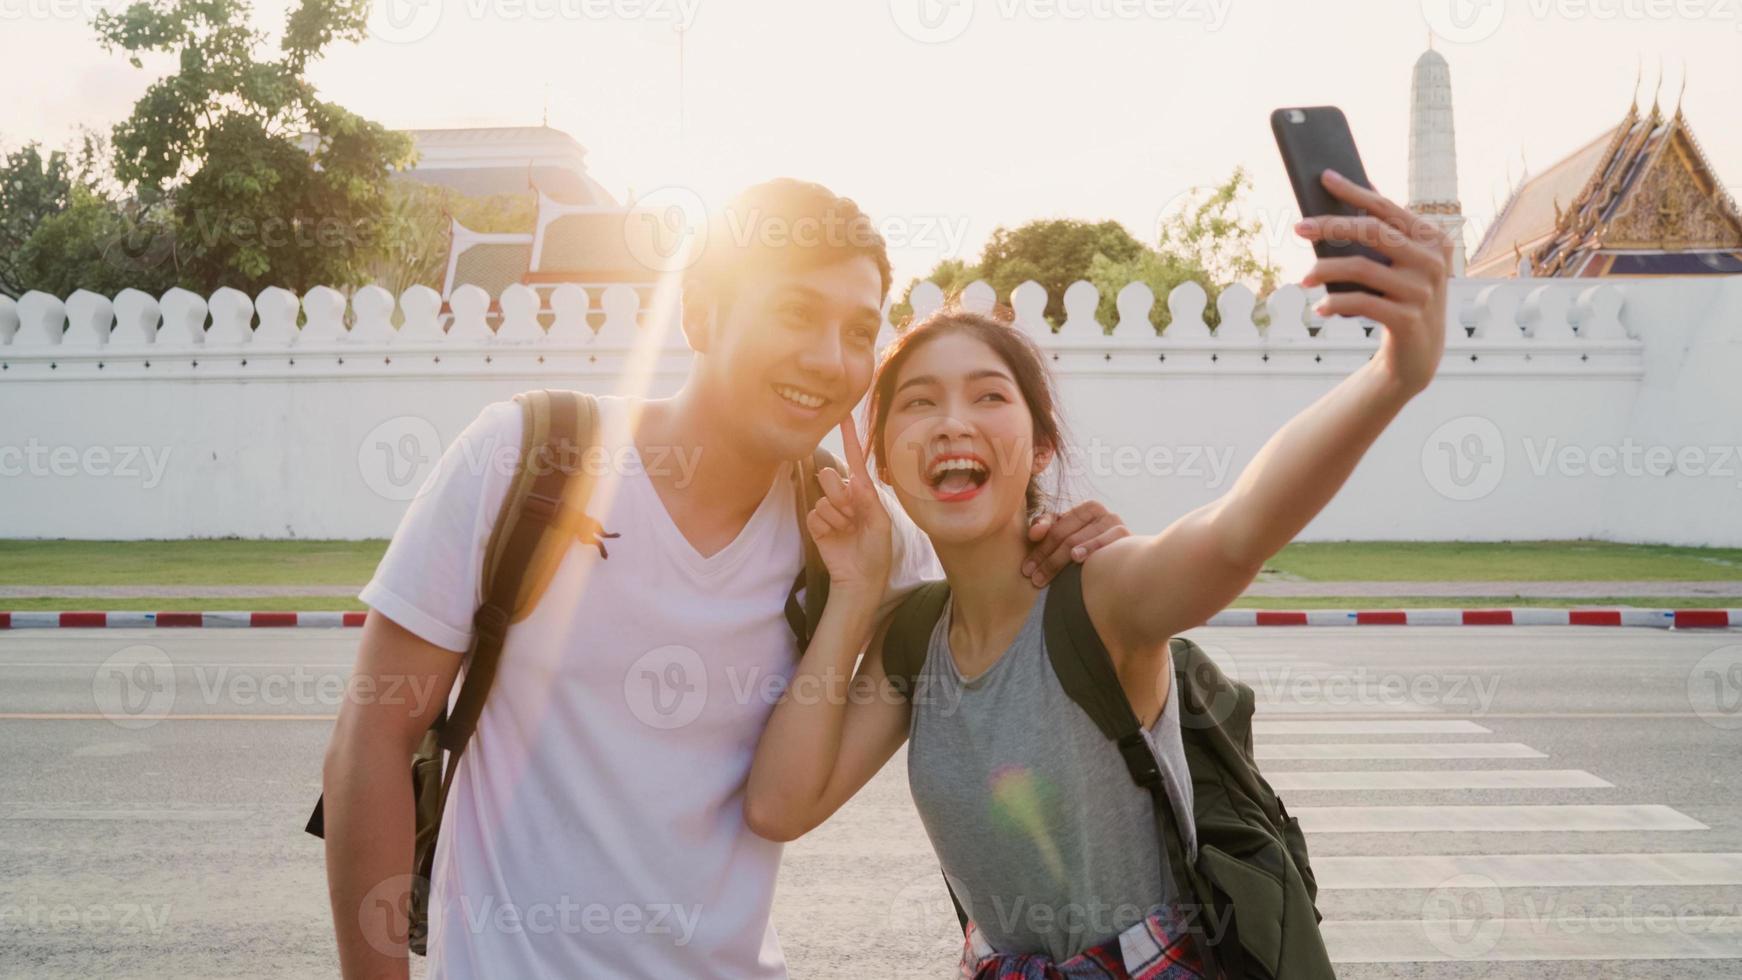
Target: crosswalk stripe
(1676, 937)
(1491, 818)
(130, 815)
(1376, 706)
(1388, 726)
(1530, 870)
(1409, 779)
(1396, 750)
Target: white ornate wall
(1564, 409)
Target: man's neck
(987, 587)
(720, 487)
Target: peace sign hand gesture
(851, 527)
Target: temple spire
(1433, 155)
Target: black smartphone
(1312, 140)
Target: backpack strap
(909, 636)
(1085, 670)
(559, 426)
(813, 579)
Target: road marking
(1438, 779)
(191, 816)
(1679, 937)
(1597, 715)
(183, 665)
(1341, 704)
(1498, 818)
(1397, 750)
(88, 716)
(1531, 870)
(1387, 726)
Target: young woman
(1045, 841)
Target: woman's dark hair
(1020, 354)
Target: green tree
(267, 183)
(420, 221)
(98, 244)
(63, 228)
(1054, 253)
(1206, 242)
(950, 275)
(34, 187)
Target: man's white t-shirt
(595, 827)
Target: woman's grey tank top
(1044, 838)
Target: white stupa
(1433, 153)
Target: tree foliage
(1206, 241)
(231, 170)
(420, 219)
(33, 187)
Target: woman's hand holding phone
(1411, 300)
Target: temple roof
(1528, 218)
(480, 161)
(1643, 186)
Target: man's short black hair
(782, 223)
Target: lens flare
(1020, 800)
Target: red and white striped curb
(136, 620)
(1529, 616)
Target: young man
(595, 827)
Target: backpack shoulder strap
(909, 636)
(542, 501)
(555, 425)
(813, 578)
(1085, 670)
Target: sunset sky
(947, 118)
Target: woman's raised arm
(1146, 589)
(833, 730)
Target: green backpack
(544, 510)
(1252, 885)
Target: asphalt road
(1480, 801)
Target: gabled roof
(473, 135)
(1643, 185)
(480, 161)
(1528, 218)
